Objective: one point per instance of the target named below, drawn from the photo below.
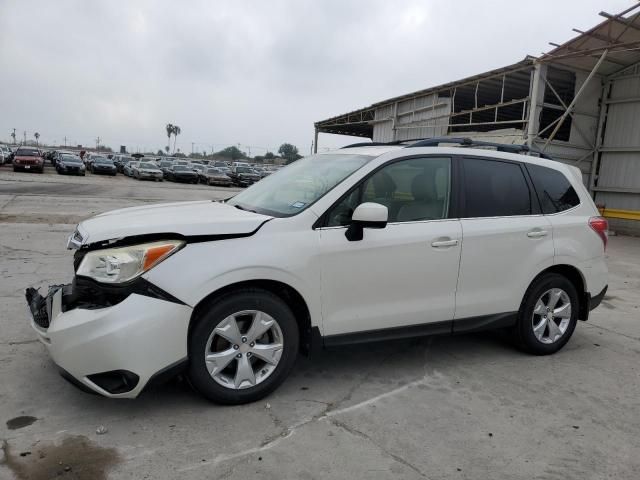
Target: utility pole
(65, 141)
(13, 135)
(25, 137)
(192, 145)
(97, 142)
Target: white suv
(365, 243)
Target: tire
(542, 288)
(202, 339)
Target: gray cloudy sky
(258, 73)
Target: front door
(404, 274)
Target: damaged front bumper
(110, 342)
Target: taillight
(600, 226)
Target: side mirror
(366, 215)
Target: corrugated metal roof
(619, 34)
(526, 63)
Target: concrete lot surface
(466, 407)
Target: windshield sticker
(298, 204)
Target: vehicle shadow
(336, 371)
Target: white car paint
(405, 274)
(202, 217)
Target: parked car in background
(215, 176)
(120, 161)
(243, 176)
(28, 158)
(69, 164)
(102, 165)
(6, 153)
(147, 171)
(57, 154)
(128, 168)
(181, 173)
(163, 164)
(198, 168)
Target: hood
(183, 218)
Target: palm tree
(176, 132)
(37, 135)
(13, 135)
(169, 129)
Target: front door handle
(444, 243)
(537, 233)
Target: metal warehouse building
(580, 103)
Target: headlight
(119, 265)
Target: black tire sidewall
(540, 285)
(252, 299)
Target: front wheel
(548, 315)
(243, 347)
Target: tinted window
(494, 189)
(26, 152)
(412, 190)
(554, 190)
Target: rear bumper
(112, 351)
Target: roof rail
(462, 141)
(368, 144)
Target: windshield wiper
(245, 209)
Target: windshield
(70, 159)
(294, 188)
(149, 166)
(27, 152)
(244, 170)
(214, 171)
(103, 160)
(180, 168)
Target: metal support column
(599, 136)
(575, 99)
(315, 141)
(534, 108)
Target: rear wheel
(548, 315)
(243, 347)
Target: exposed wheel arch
(574, 275)
(287, 293)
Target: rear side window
(554, 190)
(494, 189)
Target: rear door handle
(537, 233)
(444, 243)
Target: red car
(28, 158)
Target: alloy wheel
(244, 349)
(551, 315)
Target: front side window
(554, 190)
(494, 189)
(299, 185)
(412, 190)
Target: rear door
(506, 241)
